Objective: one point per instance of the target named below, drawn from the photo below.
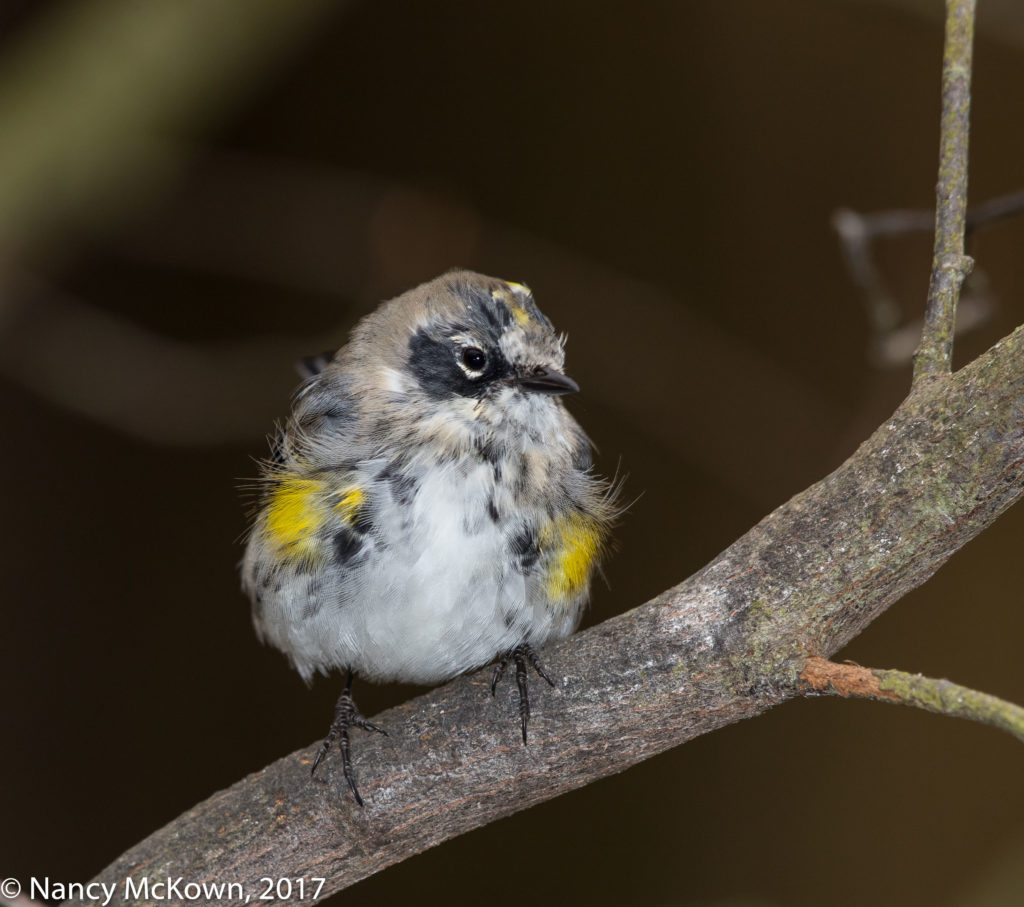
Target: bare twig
(950, 266)
(933, 695)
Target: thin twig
(933, 695)
(950, 266)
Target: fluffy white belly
(442, 596)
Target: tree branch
(950, 266)
(726, 644)
(933, 695)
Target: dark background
(663, 175)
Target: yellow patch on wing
(575, 543)
(297, 510)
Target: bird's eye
(473, 360)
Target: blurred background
(193, 194)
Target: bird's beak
(548, 381)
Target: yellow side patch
(575, 543)
(294, 514)
(297, 510)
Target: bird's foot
(522, 655)
(346, 715)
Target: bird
(430, 506)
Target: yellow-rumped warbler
(430, 504)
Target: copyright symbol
(10, 888)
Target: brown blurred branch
(931, 694)
(724, 645)
(99, 96)
(158, 388)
